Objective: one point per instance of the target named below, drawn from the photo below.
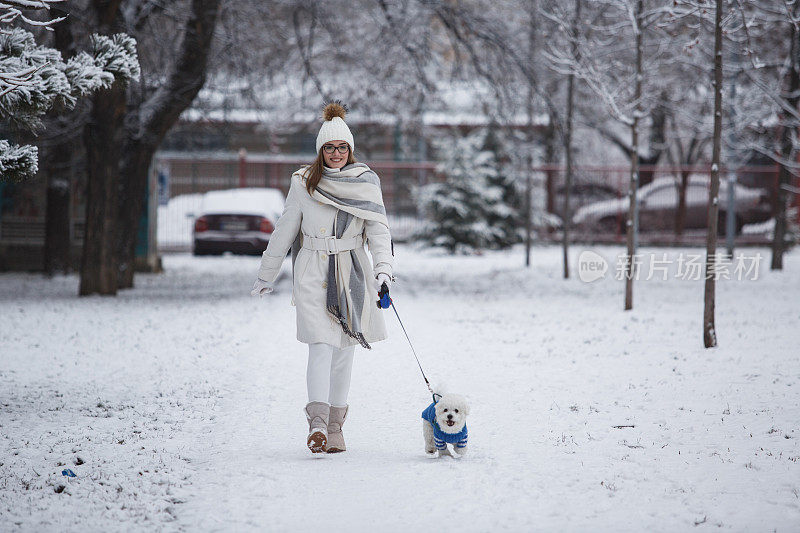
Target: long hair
(313, 172)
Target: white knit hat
(334, 127)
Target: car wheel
(611, 225)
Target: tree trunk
(567, 219)
(657, 144)
(787, 152)
(154, 118)
(680, 214)
(533, 8)
(57, 236)
(549, 159)
(779, 233)
(709, 297)
(632, 225)
(103, 140)
(132, 201)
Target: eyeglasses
(329, 148)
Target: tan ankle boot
(317, 414)
(335, 436)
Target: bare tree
(126, 125)
(788, 148)
(151, 112)
(764, 40)
(699, 13)
(568, 136)
(619, 81)
(771, 43)
(687, 142)
(709, 295)
(102, 137)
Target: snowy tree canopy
(35, 79)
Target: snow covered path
(178, 404)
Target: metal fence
(598, 201)
(598, 197)
(186, 177)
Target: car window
(663, 195)
(696, 194)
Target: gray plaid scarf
(355, 190)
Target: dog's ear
(466, 406)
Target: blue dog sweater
(459, 440)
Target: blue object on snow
(67, 472)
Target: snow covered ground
(178, 403)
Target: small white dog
(445, 421)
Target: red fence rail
(599, 206)
(594, 186)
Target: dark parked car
(236, 220)
(658, 205)
(582, 194)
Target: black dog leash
(384, 302)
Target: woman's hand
(384, 278)
(261, 287)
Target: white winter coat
(314, 218)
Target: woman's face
(335, 158)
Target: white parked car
(236, 220)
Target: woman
(333, 208)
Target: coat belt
(332, 245)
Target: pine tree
(507, 217)
(458, 210)
(34, 79)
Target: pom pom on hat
(334, 127)
(334, 109)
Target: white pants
(328, 373)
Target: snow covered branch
(17, 162)
(11, 10)
(34, 79)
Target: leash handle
(384, 301)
